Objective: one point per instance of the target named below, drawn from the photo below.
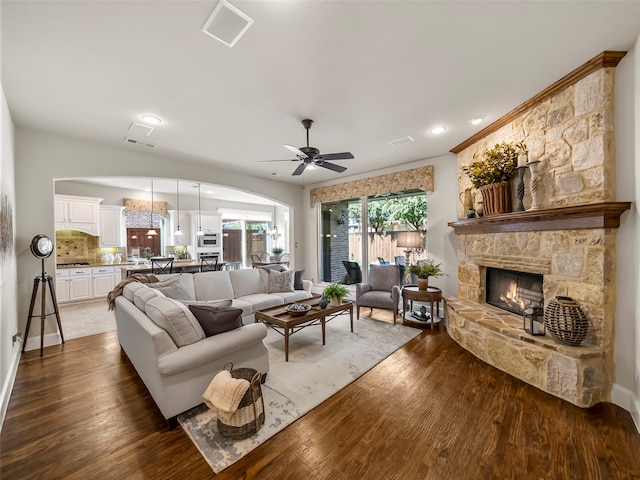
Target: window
(364, 231)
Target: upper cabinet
(77, 213)
(111, 226)
(211, 222)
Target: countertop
(176, 262)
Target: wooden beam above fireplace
(596, 215)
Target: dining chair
(161, 265)
(209, 263)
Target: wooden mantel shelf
(596, 215)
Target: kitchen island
(179, 266)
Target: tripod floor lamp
(41, 247)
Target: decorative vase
(565, 321)
(467, 201)
(423, 283)
(335, 302)
(496, 198)
(323, 302)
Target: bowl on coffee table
(297, 309)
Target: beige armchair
(382, 291)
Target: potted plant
(277, 253)
(490, 172)
(335, 293)
(424, 270)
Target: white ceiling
(366, 72)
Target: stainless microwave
(208, 240)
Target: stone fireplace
(566, 248)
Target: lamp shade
(410, 239)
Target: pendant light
(274, 232)
(178, 232)
(151, 230)
(199, 233)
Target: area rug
(313, 373)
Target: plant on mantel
(490, 172)
(494, 165)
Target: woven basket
(565, 321)
(249, 417)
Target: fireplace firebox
(514, 291)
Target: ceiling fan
(311, 155)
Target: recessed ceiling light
(476, 120)
(436, 130)
(152, 119)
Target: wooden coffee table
(283, 323)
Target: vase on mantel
(496, 198)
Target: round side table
(431, 295)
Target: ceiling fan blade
(295, 150)
(331, 166)
(300, 169)
(335, 156)
(284, 160)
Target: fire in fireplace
(514, 291)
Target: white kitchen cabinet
(75, 284)
(62, 286)
(102, 281)
(77, 213)
(111, 226)
(211, 222)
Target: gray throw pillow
(215, 320)
(173, 288)
(297, 280)
(281, 281)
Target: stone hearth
(570, 241)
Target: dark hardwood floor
(430, 411)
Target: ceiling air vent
(140, 129)
(400, 141)
(227, 24)
(139, 142)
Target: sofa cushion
(187, 281)
(281, 281)
(295, 296)
(142, 295)
(260, 301)
(215, 320)
(130, 288)
(175, 287)
(246, 282)
(297, 280)
(246, 307)
(212, 303)
(213, 285)
(176, 319)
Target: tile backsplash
(73, 246)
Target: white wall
(9, 353)
(626, 390)
(441, 208)
(42, 156)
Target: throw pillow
(175, 319)
(173, 288)
(297, 280)
(281, 281)
(215, 320)
(279, 268)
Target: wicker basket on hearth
(565, 321)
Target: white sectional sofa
(169, 349)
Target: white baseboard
(33, 343)
(7, 387)
(625, 398)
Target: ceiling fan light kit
(311, 157)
